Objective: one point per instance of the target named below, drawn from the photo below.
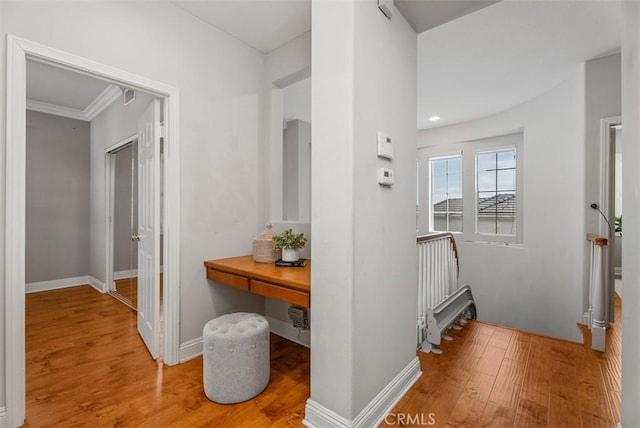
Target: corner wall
(57, 198)
(540, 285)
(364, 251)
(631, 204)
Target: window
(473, 188)
(496, 194)
(446, 194)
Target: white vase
(290, 255)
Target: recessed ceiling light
(434, 118)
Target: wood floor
(87, 366)
(490, 376)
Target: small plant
(618, 223)
(289, 241)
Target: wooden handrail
(597, 239)
(440, 235)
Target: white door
(149, 228)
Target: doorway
(122, 191)
(611, 192)
(19, 51)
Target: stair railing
(441, 301)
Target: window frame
(469, 151)
(499, 236)
(431, 219)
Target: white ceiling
(508, 53)
(469, 67)
(66, 93)
(425, 15)
(53, 85)
(263, 24)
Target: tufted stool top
(236, 327)
(236, 357)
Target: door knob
(135, 237)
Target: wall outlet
(299, 316)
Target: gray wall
(57, 198)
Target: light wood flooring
(87, 366)
(490, 376)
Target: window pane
(507, 180)
(439, 167)
(496, 201)
(439, 184)
(507, 159)
(486, 181)
(455, 183)
(446, 194)
(486, 162)
(454, 165)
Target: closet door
(149, 228)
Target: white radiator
(441, 302)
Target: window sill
(497, 244)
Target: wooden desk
(291, 285)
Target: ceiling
(66, 93)
(263, 24)
(425, 15)
(476, 58)
(508, 53)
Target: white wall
(57, 198)
(113, 125)
(222, 83)
(631, 204)
(363, 245)
(603, 99)
(2, 206)
(284, 66)
(539, 286)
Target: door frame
(607, 201)
(18, 51)
(109, 170)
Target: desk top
(298, 278)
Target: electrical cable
(597, 208)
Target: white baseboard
(318, 416)
(3, 417)
(190, 349)
(97, 284)
(288, 331)
(122, 274)
(34, 287)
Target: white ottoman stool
(235, 357)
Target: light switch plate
(385, 145)
(385, 176)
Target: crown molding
(56, 110)
(102, 101)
